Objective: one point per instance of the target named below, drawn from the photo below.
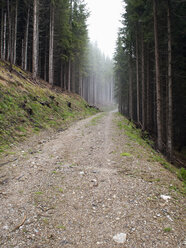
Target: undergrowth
(136, 135)
(27, 108)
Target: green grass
(54, 172)
(172, 187)
(61, 227)
(96, 119)
(26, 108)
(182, 174)
(39, 193)
(167, 229)
(160, 159)
(125, 154)
(45, 221)
(135, 135)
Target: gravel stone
(120, 238)
(53, 198)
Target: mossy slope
(27, 106)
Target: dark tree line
(150, 62)
(48, 38)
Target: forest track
(75, 190)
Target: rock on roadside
(120, 238)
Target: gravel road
(75, 189)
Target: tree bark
(88, 89)
(148, 90)
(2, 25)
(69, 75)
(158, 83)
(130, 89)
(137, 79)
(9, 52)
(82, 89)
(143, 81)
(25, 55)
(35, 41)
(80, 83)
(61, 75)
(45, 66)
(73, 70)
(22, 54)
(51, 46)
(169, 120)
(15, 34)
(65, 77)
(4, 38)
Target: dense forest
(99, 78)
(150, 62)
(50, 39)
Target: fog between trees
(50, 39)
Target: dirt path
(74, 189)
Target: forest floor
(89, 186)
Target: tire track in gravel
(78, 192)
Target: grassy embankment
(26, 107)
(136, 135)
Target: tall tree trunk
(45, 67)
(137, 79)
(143, 81)
(25, 59)
(80, 82)
(93, 89)
(73, 88)
(158, 84)
(51, 45)
(65, 76)
(35, 41)
(130, 89)
(169, 120)
(148, 90)
(2, 25)
(88, 89)
(61, 75)
(8, 30)
(111, 91)
(9, 54)
(15, 34)
(69, 75)
(82, 89)
(22, 54)
(4, 38)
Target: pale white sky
(104, 22)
